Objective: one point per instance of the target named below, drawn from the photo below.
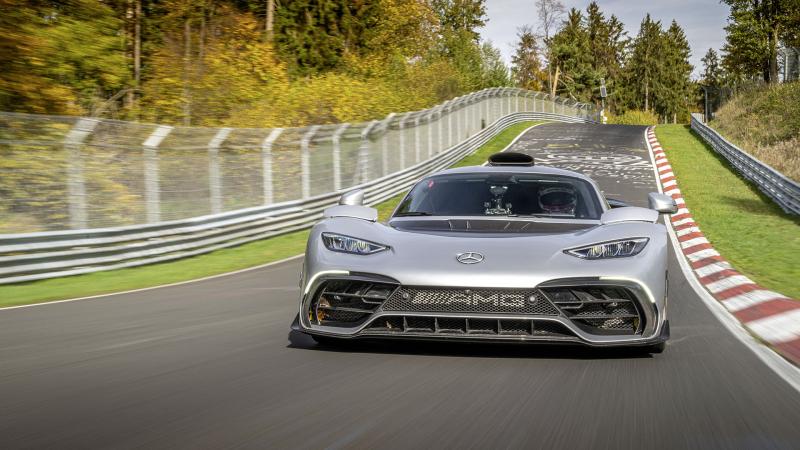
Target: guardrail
(35, 256)
(778, 187)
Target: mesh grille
(470, 301)
(343, 316)
(598, 309)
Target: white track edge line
(179, 283)
(783, 368)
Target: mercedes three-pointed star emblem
(469, 258)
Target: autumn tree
(525, 64)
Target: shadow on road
(466, 349)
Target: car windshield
(502, 194)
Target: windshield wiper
(413, 213)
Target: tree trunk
(137, 45)
(773, 54)
(270, 19)
(646, 95)
(554, 85)
(187, 66)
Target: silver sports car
(509, 251)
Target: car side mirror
(662, 203)
(352, 198)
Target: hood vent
(511, 159)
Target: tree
(754, 32)
(677, 71)
(712, 72)
(461, 16)
(607, 41)
(550, 13)
(525, 65)
(494, 70)
(645, 65)
(571, 55)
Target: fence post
(266, 165)
(305, 161)
(450, 125)
(517, 104)
(152, 197)
(430, 132)
(214, 175)
(362, 169)
(440, 125)
(417, 154)
(387, 122)
(553, 103)
(76, 184)
(402, 132)
(486, 100)
(337, 156)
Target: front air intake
(606, 310)
(348, 302)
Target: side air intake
(510, 159)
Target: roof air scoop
(510, 159)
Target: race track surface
(212, 365)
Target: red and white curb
(768, 315)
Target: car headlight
(611, 249)
(348, 244)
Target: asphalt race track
(211, 364)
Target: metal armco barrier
(778, 187)
(35, 256)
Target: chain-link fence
(70, 172)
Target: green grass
(220, 261)
(746, 227)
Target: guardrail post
(266, 165)
(385, 144)
(152, 194)
(337, 156)
(214, 175)
(76, 184)
(305, 161)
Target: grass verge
(747, 228)
(215, 263)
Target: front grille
(603, 310)
(347, 302)
(466, 300)
(414, 325)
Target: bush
(765, 122)
(634, 117)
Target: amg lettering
(470, 299)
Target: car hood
(426, 254)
